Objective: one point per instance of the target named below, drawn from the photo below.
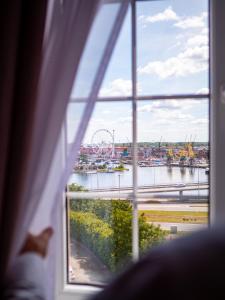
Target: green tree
(74, 187)
(117, 214)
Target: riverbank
(142, 165)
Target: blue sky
(172, 39)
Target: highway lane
(156, 188)
(182, 226)
(199, 207)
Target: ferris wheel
(102, 142)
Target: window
(142, 173)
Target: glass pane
(95, 47)
(172, 43)
(173, 167)
(89, 67)
(117, 81)
(73, 118)
(99, 239)
(100, 216)
(106, 145)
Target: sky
(172, 58)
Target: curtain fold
(90, 74)
(37, 79)
(63, 49)
(21, 30)
(42, 61)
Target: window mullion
(145, 97)
(135, 227)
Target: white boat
(143, 165)
(91, 172)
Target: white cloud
(164, 118)
(169, 105)
(145, 108)
(202, 121)
(124, 120)
(181, 22)
(140, 18)
(198, 40)
(190, 61)
(194, 55)
(175, 116)
(176, 45)
(167, 15)
(172, 120)
(106, 112)
(192, 22)
(118, 87)
(164, 122)
(108, 122)
(166, 105)
(203, 91)
(205, 31)
(198, 53)
(99, 121)
(205, 14)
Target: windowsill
(78, 291)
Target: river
(146, 176)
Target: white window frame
(217, 111)
(216, 98)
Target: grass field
(175, 216)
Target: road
(182, 226)
(175, 207)
(87, 268)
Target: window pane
(117, 81)
(173, 159)
(100, 216)
(94, 49)
(99, 239)
(74, 115)
(172, 43)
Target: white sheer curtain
(79, 106)
(64, 45)
(72, 62)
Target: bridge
(162, 188)
(145, 192)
